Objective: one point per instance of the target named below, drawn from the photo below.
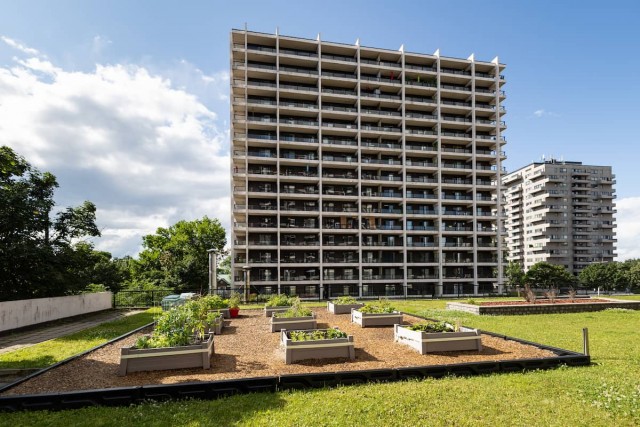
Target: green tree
(176, 257)
(515, 274)
(630, 269)
(606, 275)
(36, 251)
(545, 275)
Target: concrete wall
(18, 314)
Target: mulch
(246, 348)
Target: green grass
(604, 394)
(53, 351)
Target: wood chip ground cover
(246, 348)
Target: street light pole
(247, 275)
(213, 270)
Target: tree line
(607, 276)
(47, 252)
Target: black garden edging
(124, 396)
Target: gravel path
(246, 348)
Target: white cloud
(19, 46)
(544, 113)
(628, 232)
(146, 152)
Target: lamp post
(213, 270)
(247, 274)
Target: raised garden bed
(376, 319)
(324, 348)
(543, 306)
(216, 327)
(159, 359)
(430, 342)
(268, 311)
(336, 308)
(304, 322)
(225, 313)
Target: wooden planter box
(268, 311)
(216, 328)
(291, 323)
(342, 308)
(376, 319)
(319, 349)
(160, 359)
(430, 342)
(225, 312)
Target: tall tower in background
(364, 171)
(560, 212)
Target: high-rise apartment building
(560, 212)
(364, 171)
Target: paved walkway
(58, 328)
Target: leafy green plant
(296, 310)
(377, 307)
(280, 300)
(432, 327)
(214, 302)
(180, 326)
(344, 300)
(234, 300)
(318, 334)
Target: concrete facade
(21, 313)
(364, 171)
(560, 212)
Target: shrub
(234, 300)
(319, 334)
(214, 302)
(280, 300)
(344, 300)
(296, 310)
(432, 327)
(377, 307)
(181, 325)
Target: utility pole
(213, 270)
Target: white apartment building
(364, 171)
(560, 212)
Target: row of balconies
(352, 109)
(312, 172)
(270, 187)
(367, 59)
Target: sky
(127, 102)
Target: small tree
(547, 276)
(515, 275)
(605, 275)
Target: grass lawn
(605, 394)
(49, 352)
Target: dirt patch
(246, 348)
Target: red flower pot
(233, 312)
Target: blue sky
(572, 85)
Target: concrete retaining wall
(515, 310)
(18, 314)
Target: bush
(320, 334)
(181, 325)
(378, 307)
(296, 310)
(432, 327)
(344, 300)
(214, 302)
(280, 300)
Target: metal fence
(142, 298)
